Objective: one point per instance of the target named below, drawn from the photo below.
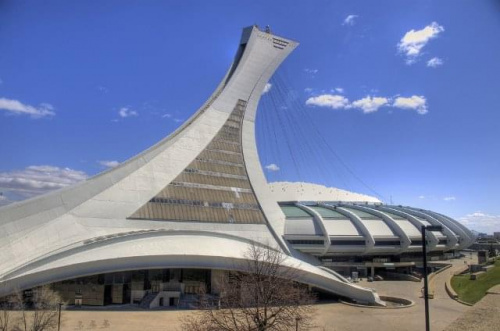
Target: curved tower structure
(197, 199)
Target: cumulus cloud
(328, 100)
(311, 71)
(350, 20)
(35, 180)
(102, 89)
(450, 198)
(272, 167)
(12, 106)
(370, 104)
(435, 62)
(339, 90)
(126, 112)
(481, 222)
(415, 102)
(414, 41)
(267, 88)
(109, 164)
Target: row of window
(211, 187)
(348, 242)
(207, 194)
(236, 158)
(219, 162)
(388, 243)
(306, 242)
(232, 124)
(215, 167)
(202, 179)
(213, 173)
(225, 205)
(223, 151)
(229, 136)
(195, 213)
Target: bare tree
(41, 311)
(262, 297)
(5, 314)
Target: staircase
(146, 301)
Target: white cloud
(272, 167)
(126, 112)
(435, 62)
(311, 71)
(109, 164)
(451, 198)
(370, 104)
(35, 180)
(19, 108)
(267, 88)
(308, 89)
(328, 100)
(414, 41)
(415, 102)
(102, 89)
(350, 20)
(421, 197)
(178, 120)
(339, 90)
(481, 222)
(166, 115)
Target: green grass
(472, 291)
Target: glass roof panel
(361, 213)
(327, 213)
(294, 212)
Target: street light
(424, 253)
(297, 320)
(59, 321)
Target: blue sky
(406, 93)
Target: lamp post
(59, 320)
(297, 320)
(424, 254)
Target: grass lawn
(472, 291)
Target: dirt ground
(328, 316)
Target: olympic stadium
(161, 225)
